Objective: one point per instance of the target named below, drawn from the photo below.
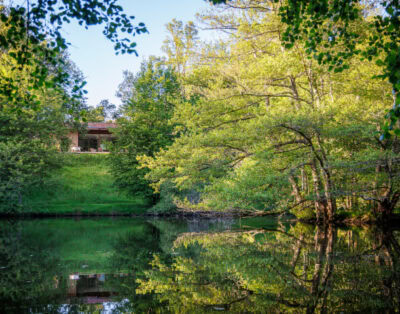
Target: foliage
(326, 28)
(30, 135)
(103, 112)
(273, 129)
(27, 151)
(125, 90)
(167, 196)
(33, 37)
(180, 44)
(22, 164)
(144, 129)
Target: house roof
(101, 126)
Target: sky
(94, 54)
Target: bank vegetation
(259, 126)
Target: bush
(128, 177)
(22, 165)
(166, 203)
(65, 144)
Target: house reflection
(91, 288)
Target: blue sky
(94, 54)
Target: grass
(82, 186)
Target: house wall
(74, 137)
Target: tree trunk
(304, 181)
(320, 203)
(386, 205)
(330, 199)
(296, 253)
(295, 189)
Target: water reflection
(253, 265)
(287, 269)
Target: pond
(137, 265)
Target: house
(95, 139)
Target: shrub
(22, 165)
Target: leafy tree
(29, 136)
(33, 36)
(144, 129)
(181, 41)
(103, 112)
(125, 91)
(273, 129)
(326, 28)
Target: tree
(179, 44)
(273, 129)
(277, 269)
(34, 40)
(144, 128)
(326, 30)
(29, 136)
(125, 91)
(103, 112)
(34, 37)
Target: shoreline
(356, 221)
(177, 214)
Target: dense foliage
(32, 32)
(33, 123)
(145, 127)
(326, 28)
(274, 129)
(103, 112)
(274, 114)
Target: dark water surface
(196, 266)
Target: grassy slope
(83, 186)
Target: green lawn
(82, 186)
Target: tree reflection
(33, 277)
(387, 252)
(131, 255)
(28, 272)
(132, 251)
(283, 268)
(296, 269)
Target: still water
(196, 266)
